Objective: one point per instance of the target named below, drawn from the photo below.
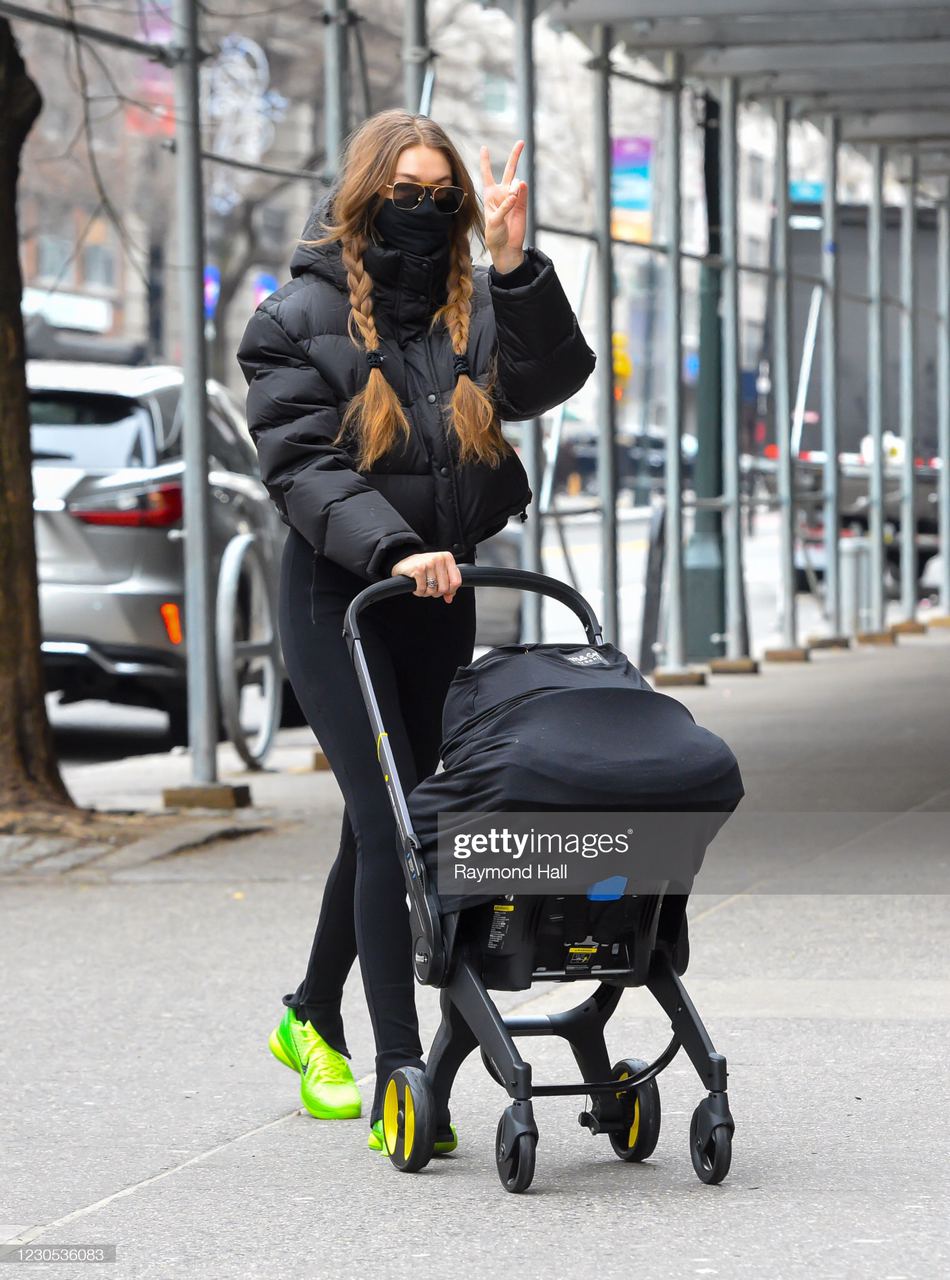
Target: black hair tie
(460, 365)
(375, 359)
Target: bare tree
(29, 774)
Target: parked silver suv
(107, 482)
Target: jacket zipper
(445, 436)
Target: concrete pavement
(142, 1108)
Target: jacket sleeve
(543, 357)
(293, 419)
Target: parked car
(640, 459)
(107, 482)
(854, 498)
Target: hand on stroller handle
(474, 575)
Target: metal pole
(876, 387)
(672, 279)
(908, 392)
(532, 445)
(606, 439)
(943, 398)
(781, 381)
(731, 478)
(335, 82)
(829, 374)
(704, 585)
(414, 53)
(202, 693)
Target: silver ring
(432, 582)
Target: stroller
(515, 724)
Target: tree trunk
(29, 774)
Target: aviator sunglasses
(409, 195)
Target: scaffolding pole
(199, 612)
(606, 439)
(731, 358)
(672, 279)
(532, 447)
(335, 80)
(829, 375)
(908, 392)
(781, 381)
(415, 53)
(943, 398)
(878, 605)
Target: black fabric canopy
(570, 727)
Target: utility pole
(199, 611)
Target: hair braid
(474, 414)
(377, 403)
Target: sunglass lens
(448, 199)
(406, 195)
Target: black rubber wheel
(711, 1161)
(638, 1141)
(515, 1167)
(409, 1119)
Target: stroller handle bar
(479, 575)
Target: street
(143, 1107)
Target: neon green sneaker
(443, 1146)
(327, 1087)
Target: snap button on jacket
(302, 370)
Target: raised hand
(505, 205)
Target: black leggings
(413, 647)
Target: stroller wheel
(711, 1159)
(638, 1140)
(409, 1119)
(515, 1162)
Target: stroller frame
(625, 1100)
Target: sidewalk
(142, 1107)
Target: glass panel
(95, 432)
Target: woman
(378, 375)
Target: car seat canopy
(570, 727)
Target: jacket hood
(322, 260)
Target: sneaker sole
(351, 1113)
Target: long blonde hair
(375, 412)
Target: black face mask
(422, 230)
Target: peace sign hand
(505, 205)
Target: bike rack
(256, 655)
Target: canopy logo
(587, 658)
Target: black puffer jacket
(303, 369)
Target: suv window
(90, 430)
